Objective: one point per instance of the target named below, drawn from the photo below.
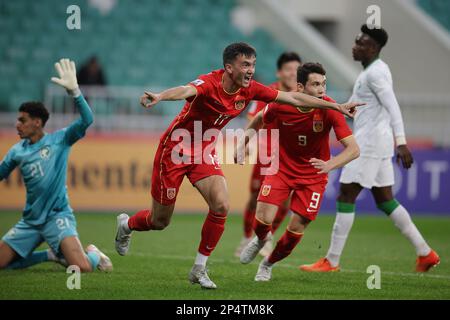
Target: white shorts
(369, 172)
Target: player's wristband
(75, 93)
(400, 140)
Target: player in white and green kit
(42, 160)
(377, 126)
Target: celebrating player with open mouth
(213, 99)
(304, 163)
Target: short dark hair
(286, 57)
(235, 49)
(378, 34)
(35, 110)
(305, 70)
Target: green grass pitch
(159, 261)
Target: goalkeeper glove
(67, 76)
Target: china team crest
(266, 190)
(317, 124)
(171, 192)
(239, 104)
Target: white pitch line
(283, 265)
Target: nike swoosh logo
(208, 248)
(309, 210)
(287, 123)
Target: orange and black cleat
(424, 263)
(323, 265)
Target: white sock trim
(201, 259)
(341, 229)
(403, 222)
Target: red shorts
(306, 198)
(167, 176)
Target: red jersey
(302, 136)
(213, 107)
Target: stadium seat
(438, 9)
(148, 51)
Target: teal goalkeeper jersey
(43, 166)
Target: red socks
(279, 217)
(285, 246)
(261, 229)
(141, 221)
(249, 216)
(211, 232)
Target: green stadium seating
(438, 9)
(139, 42)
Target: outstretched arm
(350, 152)
(150, 99)
(298, 99)
(68, 80)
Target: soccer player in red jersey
(212, 101)
(304, 163)
(287, 65)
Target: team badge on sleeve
(266, 190)
(171, 193)
(197, 82)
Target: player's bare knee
(298, 224)
(221, 207)
(264, 217)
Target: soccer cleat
(105, 263)
(323, 265)
(251, 250)
(199, 275)
(267, 249)
(424, 263)
(123, 237)
(244, 242)
(264, 272)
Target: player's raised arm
(150, 99)
(350, 152)
(68, 79)
(298, 99)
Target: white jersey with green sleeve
(43, 166)
(380, 120)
